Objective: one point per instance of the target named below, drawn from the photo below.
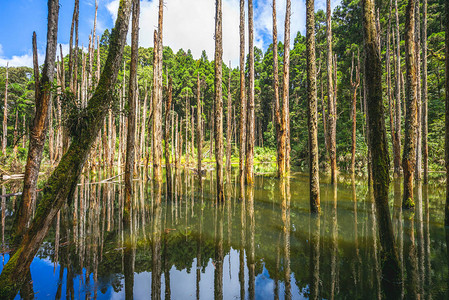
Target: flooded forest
(313, 169)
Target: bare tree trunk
(219, 99)
(332, 117)
(411, 122)
(285, 117)
(167, 139)
(5, 115)
(62, 183)
(229, 129)
(71, 54)
(355, 85)
(418, 92)
(39, 128)
(379, 151)
(277, 114)
(243, 104)
(251, 107)
(397, 130)
(199, 117)
(425, 146)
(16, 134)
(314, 186)
(132, 95)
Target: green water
(262, 247)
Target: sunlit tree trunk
(219, 99)
(411, 122)
(277, 114)
(62, 183)
(251, 106)
(285, 117)
(418, 168)
(132, 95)
(314, 186)
(332, 116)
(39, 127)
(425, 147)
(243, 105)
(379, 152)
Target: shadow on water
(258, 244)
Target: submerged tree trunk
(5, 115)
(379, 153)
(219, 99)
(411, 122)
(243, 107)
(251, 106)
(425, 147)
(332, 115)
(314, 186)
(277, 114)
(132, 96)
(285, 117)
(61, 184)
(40, 126)
(229, 129)
(167, 139)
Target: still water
(262, 247)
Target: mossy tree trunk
(446, 219)
(218, 99)
(39, 126)
(398, 112)
(61, 184)
(379, 152)
(314, 186)
(411, 120)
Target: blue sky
(188, 24)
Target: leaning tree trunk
(332, 117)
(277, 114)
(285, 117)
(132, 96)
(243, 106)
(446, 219)
(425, 147)
(5, 115)
(411, 122)
(312, 109)
(379, 153)
(62, 183)
(219, 99)
(251, 106)
(40, 126)
(167, 139)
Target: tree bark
(243, 104)
(446, 219)
(397, 124)
(219, 99)
(62, 183)
(355, 85)
(229, 129)
(251, 106)
(418, 92)
(277, 114)
(199, 118)
(285, 117)
(5, 115)
(379, 154)
(411, 122)
(71, 54)
(425, 147)
(132, 95)
(40, 126)
(167, 139)
(332, 117)
(388, 79)
(314, 186)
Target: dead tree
(199, 118)
(425, 147)
(5, 115)
(314, 186)
(332, 115)
(251, 106)
(39, 127)
(167, 139)
(243, 104)
(62, 183)
(229, 129)
(277, 114)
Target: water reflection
(264, 244)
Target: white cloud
(27, 59)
